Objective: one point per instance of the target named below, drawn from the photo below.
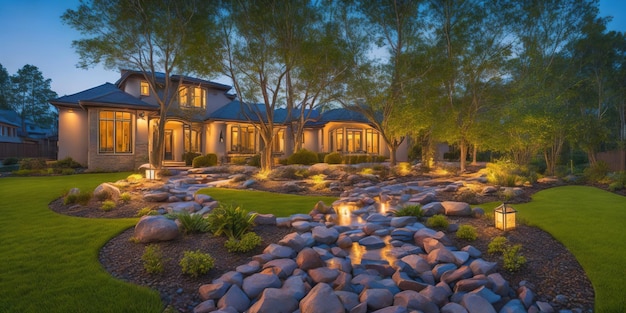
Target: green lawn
(49, 262)
(281, 205)
(590, 223)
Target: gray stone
(462, 272)
(473, 252)
(236, 298)
(480, 266)
(349, 299)
(248, 183)
(213, 291)
(186, 206)
(265, 219)
(438, 295)
(201, 198)
(254, 284)
(155, 228)
(461, 257)
(293, 240)
(341, 264)
(432, 208)
(232, 277)
(442, 268)
(106, 191)
(321, 299)
(487, 294)
(370, 228)
(441, 255)
(499, 285)
(283, 268)
(513, 306)
(323, 274)
(156, 196)
(431, 244)
(392, 309)
(249, 268)
(412, 300)
(452, 307)
(344, 241)
(325, 235)
(544, 307)
(205, 307)
(274, 300)
(467, 285)
(454, 208)
(295, 287)
(476, 304)
(478, 212)
(372, 242)
(376, 298)
(302, 226)
(278, 251)
(417, 263)
(404, 282)
(307, 259)
(402, 221)
(526, 296)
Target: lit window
(145, 88)
(279, 141)
(192, 97)
(371, 141)
(115, 132)
(192, 140)
(354, 142)
(243, 139)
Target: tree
(172, 37)
(30, 95)
(5, 88)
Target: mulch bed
(550, 270)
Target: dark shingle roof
(234, 111)
(160, 78)
(10, 117)
(339, 115)
(107, 94)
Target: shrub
(67, 163)
(616, 186)
(146, 211)
(196, 263)
(68, 171)
(32, 164)
(152, 259)
(82, 197)
(125, 197)
(289, 172)
(304, 157)
(189, 156)
(513, 260)
(10, 161)
(497, 245)
(205, 161)
(409, 210)
(333, 158)
(239, 160)
(437, 221)
(248, 242)
(193, 223)
(597, 172)
(107, 205)
(468, 196)
(255, 160)
(231, 221)
(467, 232)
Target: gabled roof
(234, 111)
(107, 94)
(339, 115)
(160, 78)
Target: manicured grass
(590, 223)
(49, 262)
(281, 205)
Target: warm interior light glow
(151, 174)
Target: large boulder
(155, 228)
(275, 300)
(106, 191)
(321, 299)
(453, 208)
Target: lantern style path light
(504, 217)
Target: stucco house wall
(73, 130)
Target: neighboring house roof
(33, 130)
(10, 117)
(160, 78)
(104, 95)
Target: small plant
(189, 156)
(497, 245)
(468, 196)
(32, 164)
(82, 197)
(205, 161)
(616, 186)
(107, 205)
(409, 210)
(193, 223)
(248, 242)
(146, 211)
(68, 171)
(437, 221)
(125, 197)
(513, 260)
(304, 157)
(196, 263)
(231, 221)
(153, 259)
(66, 163)
(133, 178)
(467, 232)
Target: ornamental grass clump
(467, 232)
(152, 259)
(513, 260)
(82, 197)
(108, 205)
(192, 223)
(437, 221)
(196, 263)
(409, 210)
(231, 221)
(497, 245)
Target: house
(110, 127)
(35, 141)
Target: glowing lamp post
(504, 217)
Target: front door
(169, 156)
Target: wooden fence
(46, 149)
(615, 159)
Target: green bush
(616, 186)
(196, 263)
(32, 164)
(333, 158)
(153, 259)
(125, 197)
(68, 171)
(409, 210)
(467, 232)
(497, 245)
(239, 160)
(303, 157)
(513, 260)
(467, 196)
(108, 205)
(192, 223)
(249, 241)
(255, 160)
(189, 156)
(82, 197)
(437, 221)
(66, 163)
(146, 211)
(597, 172)
(10, 161)
(205, 161)
(231, 221)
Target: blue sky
(32, 33)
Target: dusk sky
(32, 33)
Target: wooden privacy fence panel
(615, 159)
(44, 149)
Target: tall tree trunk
(463, 157)
(474, 154)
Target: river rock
(155, 228)
(321, 299)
